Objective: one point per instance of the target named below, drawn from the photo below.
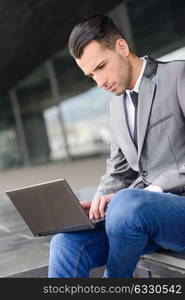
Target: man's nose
(101, 82)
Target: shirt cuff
(154, 188)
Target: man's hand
(96, 208)
(99, 205)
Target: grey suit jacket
(160, 159)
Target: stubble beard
(126, 79)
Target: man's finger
(102, 206)
(94, 207)
(85, 204)
(103, 203)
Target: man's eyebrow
(96, 68)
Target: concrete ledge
(41, 272)
(161, 264)
(166, 257)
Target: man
(142, 190)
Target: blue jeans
(137, 222)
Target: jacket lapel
(145, 100)
(123, 133)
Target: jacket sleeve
(118, 174)
(174, 180)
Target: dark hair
(97, 27)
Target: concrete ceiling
(31, 31)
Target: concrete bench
(22, 255)
(161, 264)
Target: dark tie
(134, 98)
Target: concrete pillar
(36, 137)
(56, 98)
(123, 22)
(21, 138)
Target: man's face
(110, 68)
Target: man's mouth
(111, 87)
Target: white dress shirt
(129, 104)
(131, 114)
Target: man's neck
(136, 65)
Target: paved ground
(21, 254)
(79, 173)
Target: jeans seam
(181, 249)
(81, 249)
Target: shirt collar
(137, 84)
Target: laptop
(51, 207)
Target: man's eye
(100, 67)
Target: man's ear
(122, 47)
